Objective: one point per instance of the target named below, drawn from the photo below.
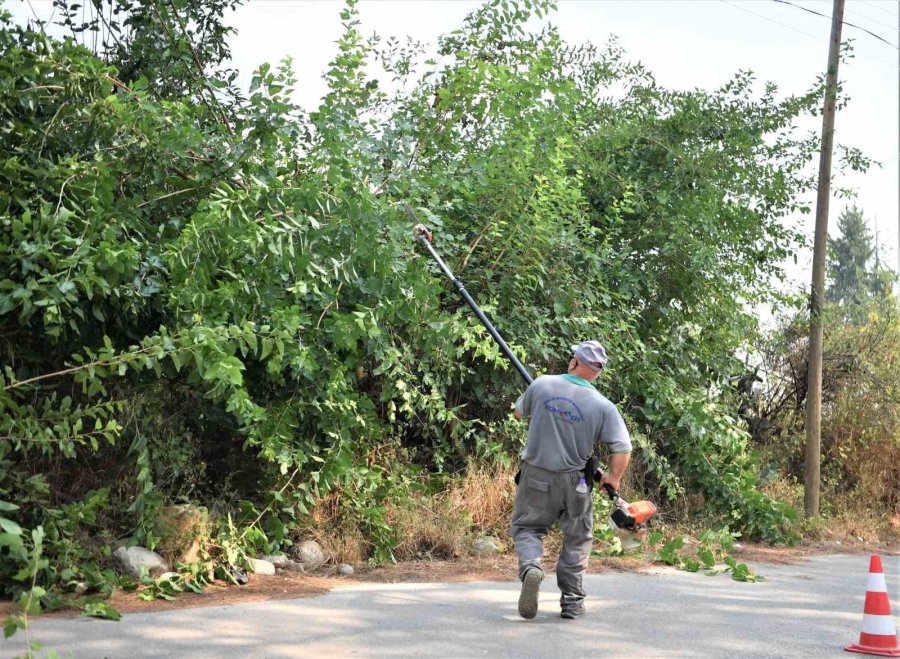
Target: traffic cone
(879, 634)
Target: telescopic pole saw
(629, 519)
(423, 235)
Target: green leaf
(13, 541)
(10, 625)
(706, 555)
(10, 526)
(97, 609)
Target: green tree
(216, 295)
(856, 279)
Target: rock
(238, 574)
(310, 554)
(278, 560)
(345, 569)
(485, 547)
(262, 567)
(130, 560)
(181, 529)
(293, 566)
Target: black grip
(590, 471)
(613, 494)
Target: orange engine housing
(641, 511)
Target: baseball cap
(591, 354)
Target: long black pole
(423, 235)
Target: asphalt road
(810, 609)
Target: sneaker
(573, 612)
(528, 598)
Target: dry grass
(428, 528)
(486, 496)
(480, 501)
(848, 519)
(338, 535)
(438, 526)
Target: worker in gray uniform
(567, 417)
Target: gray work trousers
(543, 498)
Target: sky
(686, 44)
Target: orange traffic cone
(879, 634)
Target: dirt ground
(289, 585)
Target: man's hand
(607, 479)
(618, 462)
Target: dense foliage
(860, 384)
(213, 296)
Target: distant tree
(856, 279)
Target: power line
(772, 20)
(876, 21)
(813, 11)
(811, 36)
(872, 4)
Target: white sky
(686, 44)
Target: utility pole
(817, 294)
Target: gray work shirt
(567, 417)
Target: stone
(278, 560)
(181, 529)
(310, 554)
(130, 560)
(345, 569)
(486, 547)
(259, 566)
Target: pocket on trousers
(588, 519)
(535, 495)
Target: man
(567, 417)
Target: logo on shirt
(564, 408)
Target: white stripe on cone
(880, 625)
(876, 583)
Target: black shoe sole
(528, 598)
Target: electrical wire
(772, 20)
(893, 65)
(872, 4)
(813, 11)
(866, 17)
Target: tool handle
(610, 490)
(423, 235)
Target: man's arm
(618, 462)
(615, 435)
(523, 404)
